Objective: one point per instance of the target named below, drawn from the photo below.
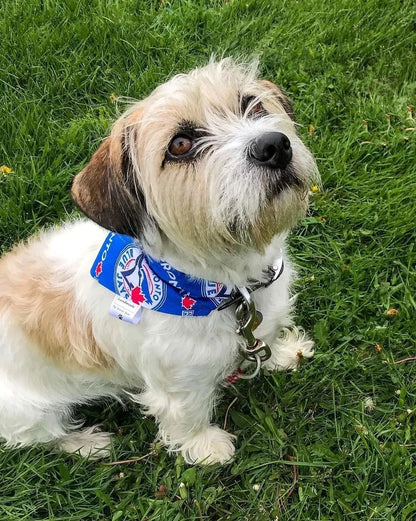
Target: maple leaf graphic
(188, 302)
(137, 296)
(99, 269)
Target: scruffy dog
(201, 182)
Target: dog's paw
(289, 350)
(212, 445)
(90, 443)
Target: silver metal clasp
(254, 350)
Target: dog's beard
(264, 202)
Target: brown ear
(284, 100)
(105, 190)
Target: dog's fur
(216, 216)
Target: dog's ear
(283, 99)
(105, 190)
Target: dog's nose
(272, 149)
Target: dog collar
(125, 269)
(140, 281)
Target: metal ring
(261, 349)
(255, 372)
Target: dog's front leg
(288, 349)
(183, 412)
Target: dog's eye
(256, 110)
(180, 145)
(250, 110)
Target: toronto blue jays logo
(211, 290)
(135, 280)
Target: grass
(345, 423)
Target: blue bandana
(125, 269)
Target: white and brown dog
(208, 174)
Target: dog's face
(210, 160)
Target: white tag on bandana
(125, 309)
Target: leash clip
(255, 350)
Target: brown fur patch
(40, 299)
(284, 100)
(106, 190)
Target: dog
(201, 182)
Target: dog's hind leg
(36, 399)
(89, 442)
(26, 426)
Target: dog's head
(209, 161)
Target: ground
(336, 439)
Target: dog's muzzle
(272, 149)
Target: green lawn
(344, 425)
